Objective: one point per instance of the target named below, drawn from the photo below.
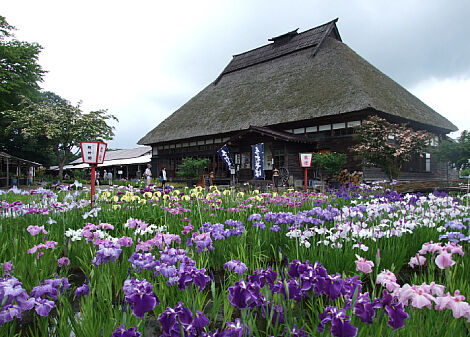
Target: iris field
(359, 261)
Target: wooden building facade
(303, 92)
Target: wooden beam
(8, 172)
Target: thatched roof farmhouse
(301, 92)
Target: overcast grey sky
(142, 60)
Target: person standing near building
(148, 175)
(162, 176)
(110, 178)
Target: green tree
(457, 153)
(330, 163)
(192, 169)
(388, 146)
(60, 124)
(20, 74)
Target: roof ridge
(298, 34)
(325, 35)
(271, 51)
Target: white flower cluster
(380, 218)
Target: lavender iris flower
(84, 289)
(108, 251)
(236, 266)
(14, 299)
(44, 306)
(143, 261)
(275, 228)
(45, 290)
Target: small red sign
(305, 159)
(93, 152)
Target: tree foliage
(457, 153)
(388, 146)
(19, 71)
(331, 163)
(60, 125)
(192, 169)
(20, 74)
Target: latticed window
(279, 158)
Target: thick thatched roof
(265, 87)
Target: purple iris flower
(203, 242)
(397, 315)
(254, 217)
(125, 241)
(108, 251)
(454, 237)
(394, 309)
(173, 319)
(332, 286)
(191, 274)
(45, 290)
(9, 312)
(172, 255)
(7, 268)
(121, 331)
(14, 299)
(276, 311)
(351, 285)
(259, 224)
(294, 290)
(84, 289)
(275, 228)
(364, 309)
(236, 329)
(200, 321)
(245, 294)
(140, 296)
(61, 284)
(263, 276)
(167, 271)
(236, 266)
(296, 332)
(340, 326)
(44, 306)
(63, 261)
(143, 261)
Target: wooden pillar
(8, 173)
(213, 164)
(127, 172)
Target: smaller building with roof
(126, 164)
(15, 171)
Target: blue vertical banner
(258, 160)
(225, 155)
